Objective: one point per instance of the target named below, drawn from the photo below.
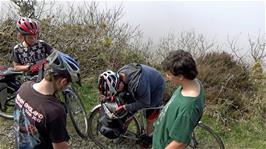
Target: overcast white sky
(215, 19)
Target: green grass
(249, 134)
(88, 95)
(241, 134)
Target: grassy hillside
(235, 104)
(244, 134)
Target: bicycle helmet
(107, 83)
(27, 26)
(62, 64)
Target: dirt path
(7, 137)
(6, 134)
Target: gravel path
(7, 137)
(6, 134)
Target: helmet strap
(25, 43)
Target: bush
(227, 84)
(7, 40)
(97, 39)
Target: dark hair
(49, 75)
(180, 62)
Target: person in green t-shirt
(174, 127)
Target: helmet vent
(27, 25)
(73, 66)
(32, 26)
(57, 62)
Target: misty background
(109, 34)
(218, 21)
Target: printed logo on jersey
(31, 54)
(27, 135)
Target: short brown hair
(180, 62)
(48, 76)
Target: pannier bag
(111, 128)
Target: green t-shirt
(178, 119)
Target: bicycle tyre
(128, 140)
(77, 112)
(9, 106)
(205, 138)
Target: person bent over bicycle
(39, 117)
(177, 120)
(144, 84)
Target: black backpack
(111, 128)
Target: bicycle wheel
(204, 137)
(7, 109)
(76, 112)
(128, 140)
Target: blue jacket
(148, 86)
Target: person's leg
(151, 117)
(156, 101)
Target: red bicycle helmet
(27, 26)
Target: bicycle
(69, 97)
(10, 81)
(202, 136)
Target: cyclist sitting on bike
(143, 83)
(39, 117)
(181, 114)
(30, 51)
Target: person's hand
(29, 66)
(103, 98)
(35, 68)
(120, 108)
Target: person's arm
(142, 97)
(19, 67)
(61, 145)
(175, 145)
(142, 101)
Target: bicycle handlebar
(111, 114)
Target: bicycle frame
(20, 77)
(138, 119)
(142, 112)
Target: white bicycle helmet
(60, 63)
(107, 83)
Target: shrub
(226, 82)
